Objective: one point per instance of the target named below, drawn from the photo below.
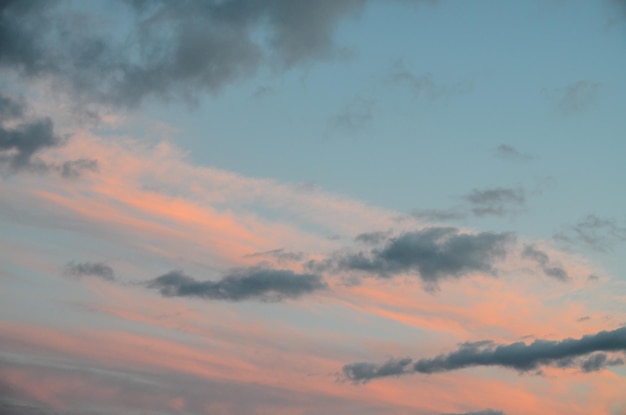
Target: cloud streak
(588, 352)
(251, 283)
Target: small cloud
(353, 117)
(495, 201)
(424, 85)
(509, 152)
(543, 260)
(573, 98)
(438, 215)
(90, 269)
(246, 284)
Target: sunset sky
(311, 207)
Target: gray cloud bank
(599, 234)
(588, 352)
(433, 254)
(250, 283)
(167, 48)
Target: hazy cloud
(438, 215)
(496, 201)
(279, 254)
(509, 152)
(353, 117)
(518, 356)
(167, 48)
(91, 269)
(483, 412)
(593, 232)
(424, 85)
(543, 260)
(573, 98)
(251, 283)
(431, 253)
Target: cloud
(74, 168)
(91, 269)
(279, 254)
(166, 48)
(483, 412)
(599, 361)
(20, 142)
(438, 215)
(593, 232)
(574, 98)
(518, 356)
(496, 201)
(363, 372)
(424, 84)
(543, 260)
(509, 152)
(251, 283)
(432, 253)
(353, 117)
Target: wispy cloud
(495, 201)
(543, 260)
(508, 152)
(593, 232)
(92, 269)
(573, 98)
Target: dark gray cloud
(432, 253)
(573, 98)
(599, 234)
(281, 255)
(483, 412)
(585, 352)
(509, 152)
(167, 49)
(543, 260)
(496, 201)
(91, 269)
(251, 283)
(20, 142)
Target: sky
(296, 207)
